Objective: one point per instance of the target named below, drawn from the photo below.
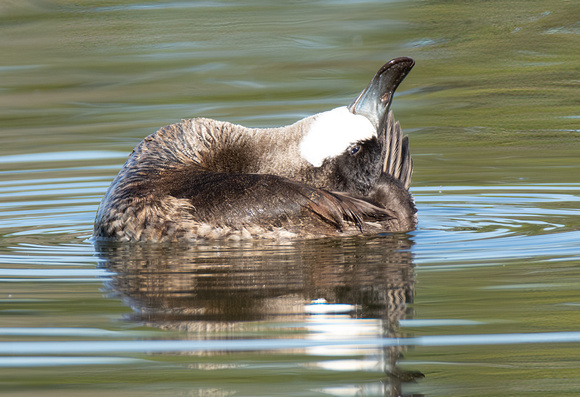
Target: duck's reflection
(326, 287)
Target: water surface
(481, 300)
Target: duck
(342, 172)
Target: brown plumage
(203, 178)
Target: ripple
(166, 346)
(62, 156)
(161, 6)
(61, 332)
(17, 362)
(54, 273)
(437, 322)
(466, 223)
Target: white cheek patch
(332, 132)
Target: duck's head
(349, 147)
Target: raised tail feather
(397, 157)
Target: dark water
(481, 300)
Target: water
(481, 300)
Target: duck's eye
(354, 150)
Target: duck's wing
(267, 200)
(397, 157)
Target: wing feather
(397, 157)
(236, 200)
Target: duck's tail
(397, 157)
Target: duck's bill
(375, 100)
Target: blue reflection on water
(54, 272)
(62, 156)
(66, 332)
(165, 346)
(12, 362)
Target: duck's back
(163, 192)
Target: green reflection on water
(508, 66)
(499, 88)
(493, 100)
(515, 295)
